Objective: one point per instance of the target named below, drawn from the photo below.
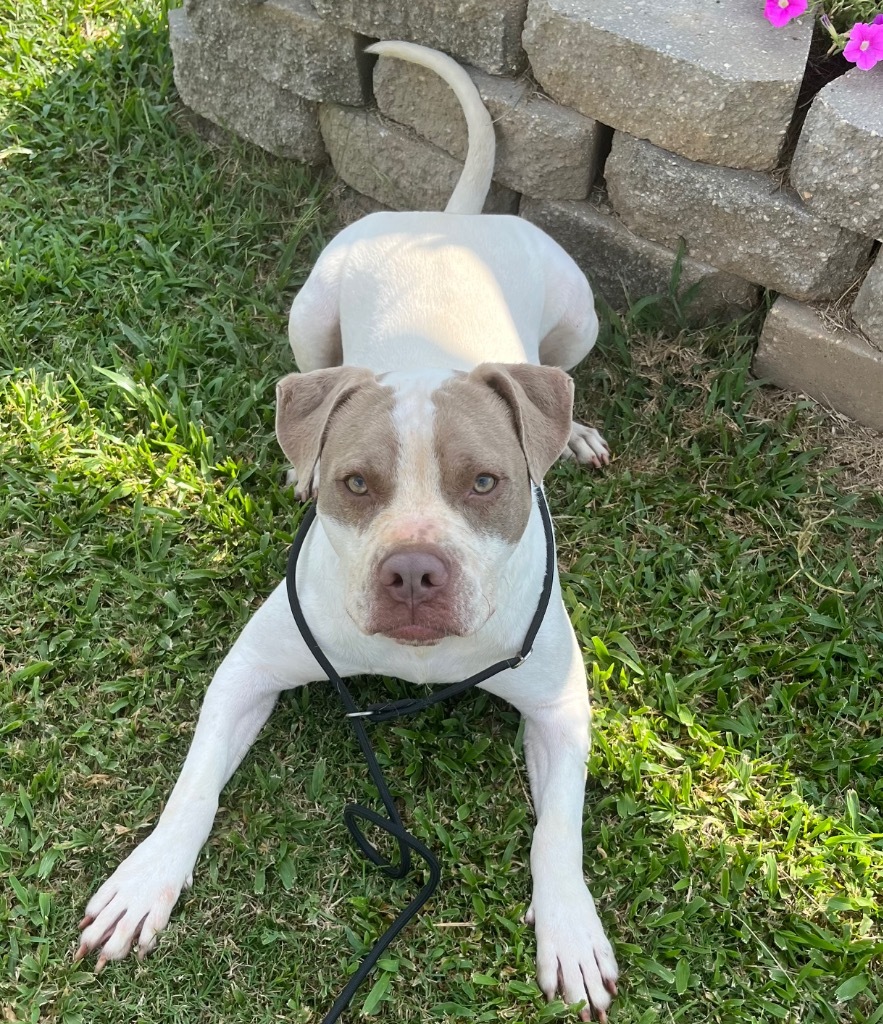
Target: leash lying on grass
(384, 712)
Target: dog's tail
(475, 181)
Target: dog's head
(423, 483)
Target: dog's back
(443, 290)
(455, 282)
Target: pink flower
(878, 20)
(865, 46)
(780, 12)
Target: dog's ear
(541, 400)
(304, 404)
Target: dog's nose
(413, 577)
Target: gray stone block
(710, 80)
(350, 206)
(799, 352)
(867, 310)
(838, 163)
(486, 35)
(288, 44)
(391, 164)
(740, 221)
(218, 90)
(624, 268)
(543, 150)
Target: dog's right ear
(304, 404)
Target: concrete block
(485, 35)
(543, 150)
(867, 310)
(274, 119)
(838, 163)
(741, 221)
(624, 268)
(391, 164)
(799, 352)
(709, 80)
(350, 206)
(288, 44)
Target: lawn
(724, 576)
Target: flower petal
(778, 15)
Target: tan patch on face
(541, 400)
(305, 403)
(474, 434)
(360, 441)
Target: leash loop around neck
(355, 814)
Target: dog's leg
(573, 953)
(314, 320)
(134, 904)
(570, 330)
(574, 956)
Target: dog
(431, 399)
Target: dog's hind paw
(587, 446)
(289, 479)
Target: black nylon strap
(353, 813)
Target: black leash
(383, 712)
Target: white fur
(471, 189)
(418, 508)
(414, 297)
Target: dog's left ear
(541, 400)
(304, 405)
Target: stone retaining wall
(628, 132)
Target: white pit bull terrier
(431, 398)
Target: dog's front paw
(574, 956)
(134, 904)
(587, 446)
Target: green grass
(725, 585)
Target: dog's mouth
(416, 636)
(431, 630)
(428, 630)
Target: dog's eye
(484, 483)
(356, 484)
